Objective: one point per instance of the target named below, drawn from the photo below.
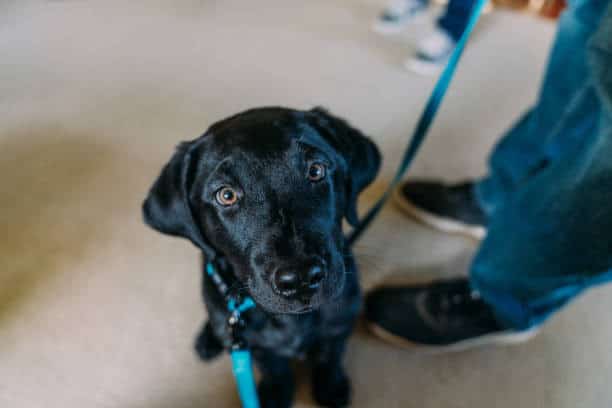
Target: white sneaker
(397, 15)
(432, 53)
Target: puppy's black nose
(298, 281)
(287, 282)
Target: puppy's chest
(289, 335)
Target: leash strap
(243, 372)
(427, 117)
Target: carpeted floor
(98, 311)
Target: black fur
(282, 221)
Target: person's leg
(548, 240)
(539, 136)
(552, 237)
(537, 139)
(455, 18)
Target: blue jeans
(455, 17)
(549, 192)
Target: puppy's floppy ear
(166, 208)
(358, 151)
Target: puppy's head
(267, 189)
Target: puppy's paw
(275, 395)
(207, 345)
(331, 388)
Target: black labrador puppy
(263, 195)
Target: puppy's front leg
(276, 387)
(330, 384)
(207, 345)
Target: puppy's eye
(226, 196)
(316, 172)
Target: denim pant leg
(550, 232)
(455, 17)
(521, 152)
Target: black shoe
(441, 316)
(452, 209)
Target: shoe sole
(443, 224)
(505, 338)
(423, 68)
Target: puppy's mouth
(303, 310)
(296, 307)
(277, 305)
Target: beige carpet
(98, 311)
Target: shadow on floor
(43, 172)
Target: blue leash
(241, 356)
